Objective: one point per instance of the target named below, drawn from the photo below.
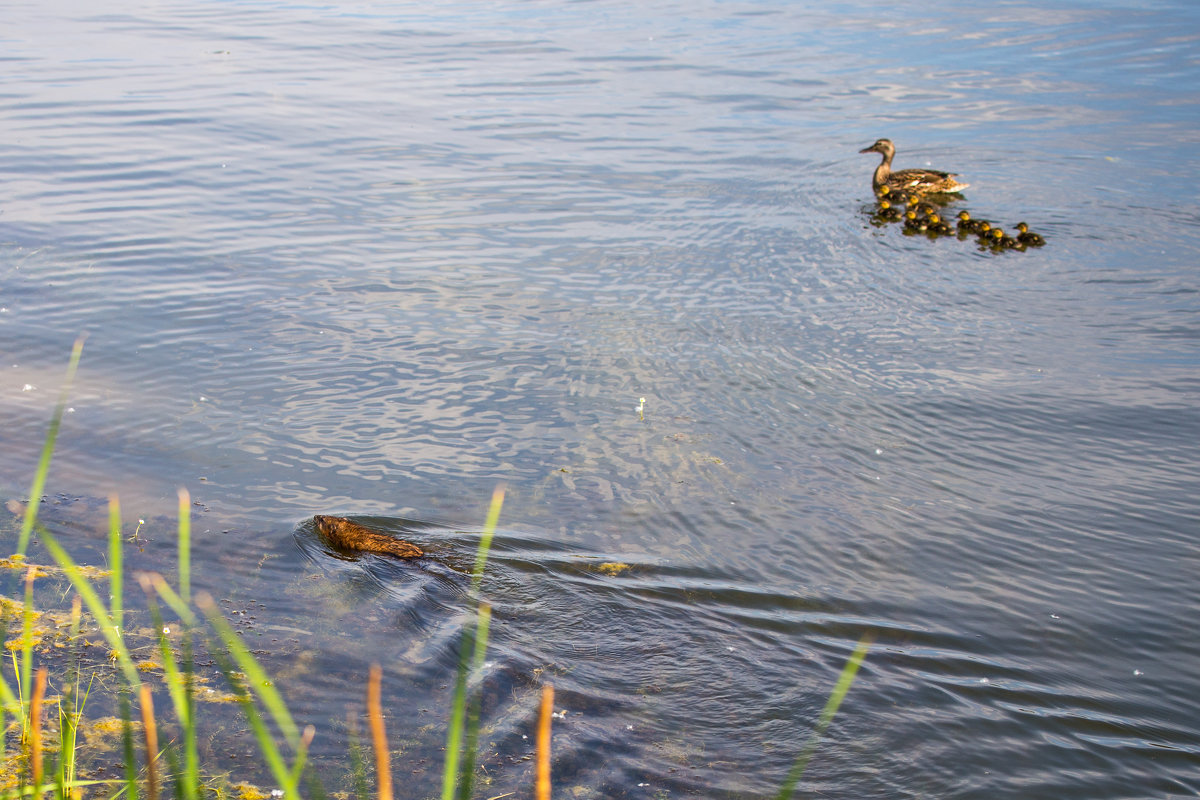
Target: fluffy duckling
(914, 181)
(1028, 237)
(887, 211)
(1000, 239)
(936, 225)
(965, 223)
(914, 221)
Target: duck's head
(1022, 227)
(883, 146)
(964, 216)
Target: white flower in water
(277, 793)
(27, 387)
(166, 630)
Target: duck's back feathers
(926, 181)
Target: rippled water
(373, 260)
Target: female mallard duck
(912, 181)
(1026, 236)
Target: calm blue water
(374, 259)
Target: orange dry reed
(35, 721)
(383, 767)
(543, 743)
(151, 731)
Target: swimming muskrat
(348, 535)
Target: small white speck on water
(984, 680)
(878, 451)
(29, 387)
(71, 410)
(1137, 673)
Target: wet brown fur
(348, 535)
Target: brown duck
(341, 532)
(913, 181)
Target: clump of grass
(145, 775)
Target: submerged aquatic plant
(831, 707)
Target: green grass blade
(485, 539)
(172, 599)
(127, 748)
(256, 677)
(451, 771)
(831, 708)
(95, 606)
(458, 706)
(26, 671)
(467, 773)
(114, 561)
(171, 674)
(266, 743)
(43, 467)
(180, 680)
(185, 546)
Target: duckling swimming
(937, 226)
(913, 181)
(1000, 239)
(966, 223)
(1028, 237)
(887, 211)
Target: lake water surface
(375, 259)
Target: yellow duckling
(1001, 239)
(887, 211)
(1028, 237)
(965, 223)
(937, 226)
(914, 181)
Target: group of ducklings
(919, 215)
(903, 195)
